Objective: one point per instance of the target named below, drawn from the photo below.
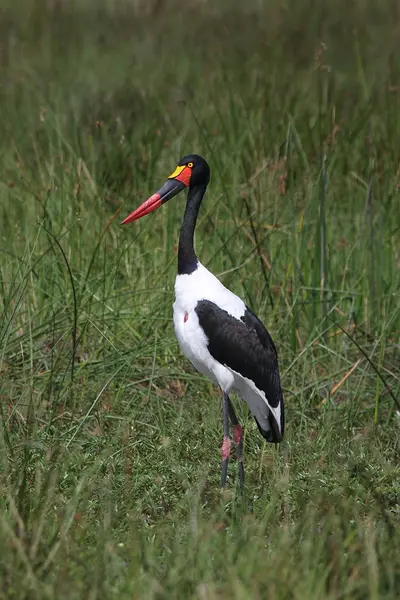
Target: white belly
(189, 289)
(193, 343)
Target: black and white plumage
(215, 329)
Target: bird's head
(191, 171)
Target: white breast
(203, 285)
(189, 290)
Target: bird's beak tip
(171, 187)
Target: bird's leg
(226, 445)
(238, 439)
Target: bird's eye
(190, 164)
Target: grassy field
(109, 440)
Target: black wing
(245, 346)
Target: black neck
(187, 259)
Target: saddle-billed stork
(215, 329)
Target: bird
(219, 334)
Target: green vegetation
(109, 440)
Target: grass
(109, 440)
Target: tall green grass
(109, 440)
